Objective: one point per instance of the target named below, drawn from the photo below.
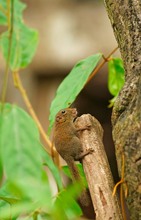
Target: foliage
(72, 85)
(26, 185)
(25, 190)
(24, 39)
(115, 77)
(77, 78)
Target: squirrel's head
(67, 114)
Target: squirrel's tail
(84, 198)
(74, 170)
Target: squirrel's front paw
(87, 127)
(89, 150)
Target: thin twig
(18, 84)
(100, 65)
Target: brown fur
(68, 144)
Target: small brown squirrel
(68, 145)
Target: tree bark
(125, 17)
(97, 170)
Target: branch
(105, 59)
(97, 170)
(18, 84)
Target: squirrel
(68, 145)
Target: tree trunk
(125, 17)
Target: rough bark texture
(97, 170)
(125, 17)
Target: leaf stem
(19, 86)
(10, 28)
(105, 59)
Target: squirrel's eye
(63, 111)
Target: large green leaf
(25, 206)
(72, 85)
(21, 156)
(65, 207)
(24, 39)
(20, 146)
(116, 75)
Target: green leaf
(1, 167)
(24, 43)
(17, 209)
(5, 206)
(21, 156)
(1, 171)
(24, 206)
(111, 102)
(54, 170)
(72, 85)
(44, 216)
(24, 40)
(3, 20)
(6, 196)
(10, 200)
(116, 76)
(65, 206)
(5, 13)
(20, 146)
